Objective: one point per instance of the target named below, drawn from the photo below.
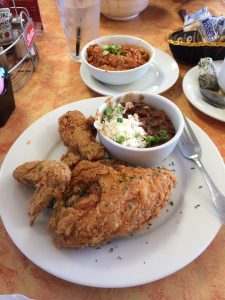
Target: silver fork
(191, 149)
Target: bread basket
(190, 53)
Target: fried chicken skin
(71, 158)
(50, 179)
(104, 202)
(77, 133)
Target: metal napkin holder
(20, 69)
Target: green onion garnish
(120, 52)
(163, 134)
(119, 110)
(157, 139)
(120, 138)
(105, 52)
(108, 112)
(152, 139)
(149, 139)
(114, 49)
(119, 120)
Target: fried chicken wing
(104, 202)
(50, 179)
(77, 133)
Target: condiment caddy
(18, 52)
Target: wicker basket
(190, 53)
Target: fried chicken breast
(50, 179)
(77, 133)
(103, 202)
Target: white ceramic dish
(172, 241)
(192, 92)
(144, 157)
(14, 297)
(161, 75)
(118, 77)
(122, 10)
(221, 77)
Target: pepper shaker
(18, 33)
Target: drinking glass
(80, 22)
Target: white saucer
(192, 92)
(162, 74)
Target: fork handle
(217, 196)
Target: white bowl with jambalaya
(117, 59)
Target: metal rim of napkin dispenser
(18, 58)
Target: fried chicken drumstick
(50, 179)
(77, 133)
(104, 201)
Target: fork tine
(186, 137)
(188, 143)
(190, 132)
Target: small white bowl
(118, 77)
(143, 157)
(122, 10)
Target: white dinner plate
(182, 232)
(192, 92)
(14, 297)
(162, 74)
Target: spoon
(216, 99)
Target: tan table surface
(56, 82)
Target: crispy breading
(104, 202)
(50, 179)
(77, 133)
(71, 159)
(95, 201)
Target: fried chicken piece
(77, 133)
(71, 159)
(50, 179)
(105, 202)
